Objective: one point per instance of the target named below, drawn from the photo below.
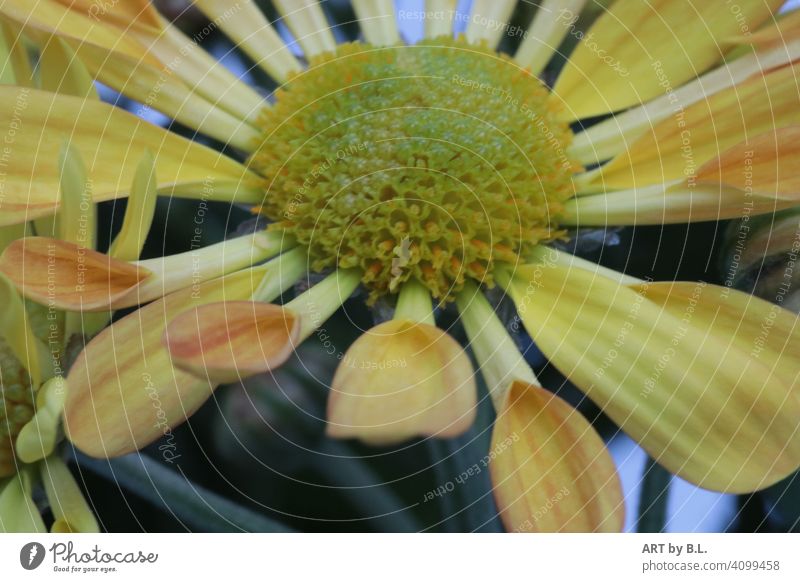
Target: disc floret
(434, 162)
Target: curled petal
(124, 392)
(68, 276)
(551, 470)
(399, 380)
(231, 340)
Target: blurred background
(255, 457)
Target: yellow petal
(377, 21)
(754, 177)
(71, 511)
(76, 221)
(247, 26)
(10, 49)
(203, 74)
(62, 72)
(316, 305)
(400, 380)
(608, 138)
(776, 33)
(232, 340)
(123, 390)
(175, 272)
(671, 204)
(119, 38)
(17, 508)
(499, 360)
(139, 212)
(121, 14)
(111, 142)
(39, 436)
(90, 25)
(149, 85)
(414, 303)
(15, 329)
(762, 165)
(61, 274)
(553, 20)
(439, 18)
(551, 471)
(678, 146)
(766, 332)
(703, 401)
(489, 20)
(308, 24)
(629, 51)
(68, 276)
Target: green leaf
(172, 492)
(470, 506)
(364, 488)
(653, 501)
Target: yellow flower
(35, 342)
(431, 172)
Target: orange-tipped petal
(762, 165)
(779, 32)
(550, 469)
(231, 340)
(612, 136)
(766, 101)
(127, 13)
(124, 392)
(399, 380)
(67, 276)
(703, 377)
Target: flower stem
(414, 303)
(323, 299)
(500, 360)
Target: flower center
(16, 406)
(435, 162)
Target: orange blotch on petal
(231, 340)
(550, 469)
(400, 380)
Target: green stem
(501, 362)
(323, 299)
(414, 303)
